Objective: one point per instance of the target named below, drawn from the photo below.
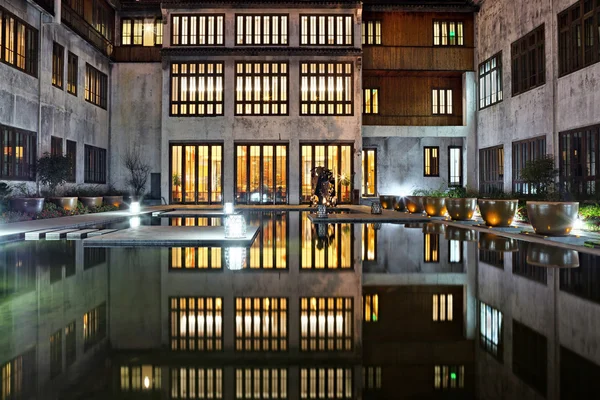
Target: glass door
(261, 174)
(336, 157)
(196, 173)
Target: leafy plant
(176, 180)
(420, 192)
(439, 192)
(138, 170)
(23, 190)
(53, 171)
(459, 192)
(589, 211)
(499, 195)
(540, 174)
(86, 191)
(5, 191)
(344, 180)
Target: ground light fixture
(134, 207)
(134, 222)
(235, 258)
(235, 226)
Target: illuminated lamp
(228, 209)
(134, 208)
(235, 258)
(235, 226)
(134, 222)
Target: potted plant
(139, 171)
(27, 200)
(416, 202)
(550, 216)
(391, 202)
(90, 197)
(435, 203)
(176, 180)
(498, 209)
(53, 171)
(113, 197)
(461, 203)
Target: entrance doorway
(261, 174)
(196, 173)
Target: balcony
(137, 54)
(47, 5)
(74, 21)
(430, 58)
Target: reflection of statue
(325, 234)
(323, 185)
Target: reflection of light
(146, 382)
(134, 222)
(235, 258)
(578, 224)
(134, 208)
(228, 209)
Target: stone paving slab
(60, 234)
(37, 235)
(101, 232)
(80, 234)
(169, 236)
(364, 217)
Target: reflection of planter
(432, 227)
(400, 206)
(116, 201)
(461, 209)
(435, 206)
(414, 204)
(552, 218)
(29, 205)
(498, 212)
(389, 202)
(542, 255)
(68, 203)
(91, 202)
(464, 235)
(414, 225)
(491, 242)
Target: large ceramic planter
(116, 201)
(400, 206)
(29, 205)
(542, 255)
(433, 228)
(461, 209)
(388, 202)
(552, 218)
(435, 206)
(91, 202)
(415, 204)
(68, 203)
(491, 242)
(498, 212)
(461, 234)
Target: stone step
(81, 234)
(57, 235)
(37, 235)
(101, 232)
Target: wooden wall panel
(137, 54)
(406, 100)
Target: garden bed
(52, 211)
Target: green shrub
(53, 171)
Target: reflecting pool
(317, 311)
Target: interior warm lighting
(146, 382)
(134, 208)
(134, 222)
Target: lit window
(369, 242)
(337, 157)
(442, 307)
(196, 323)
(158, 32)
(431, 248)
(455, 251)
(261, 30)
(261, 88)
(196, 383)
(369, 172)
(371, 378)
(72, 73)
(94, 326)
(326, 323)
(490, 81)
(441, 101)
(197, 30)
(449, 377)
(18, 155)
(197, 89)
(261, 324)
(17, 375)
(454, 166)
(326, 88)
(141, 377)
(331, 249)
(371, 101)
(448, 33)
(56, 354)
(96, 86)
(326, 30)
(490, 330)
(371, 32)
(326, 383)
(18, 43)
(261, 174)
(432, 161)
(261, 383)
(371, 307)
(58, 65)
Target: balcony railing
(85, 30)
(47, 5)
(137, 54)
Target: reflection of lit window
(371, 307)
(70, 343)
(369, 242)
(270, 248)
(432, 247)
(196, 323)
(325, 383)
(202, 258)
(454, 166)
(196, 383)
(201, 182)
(369, 172)
(144, 377)
(56, 354)
(334, 251)
(442, 307)
(449, 377)
(455, 251)
(17, 375)
(261, 324)
(326, 323)
(326, 88)
(490, 330)
(94, 326)
(261, 383)
(371, 378)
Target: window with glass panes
(261, 383)
(326, 30)
(197, 89)
(196, 383)
(491, 169)
(18, 155)
(72, 155)
(338, 255)
(490, 330)
(56, 354)
(56, 146)
(261, 88)
(441, 101)
(17, 374)
(490, 81)
(96, 86)
(132, 32)
(337, 158)
(95, 165)
(528, 61)
(135, 378)
(371, 101)
(326, 383)
(196, 258)
(198, 30)
(18, 43)
(58, 65)
(70, 344)
(196, 323)
(196, 173)
(579, 166)
(264, 30)
(371, 378)
(326, 323)
(369, 242)
(158, 32)
(431, 248)
(261, 324)
(448, 33)
(523, 152)
(371, 33)
(94, 326)
(369, 172)
(431, 161)
(326, 88)
(261, 174)
(448, 377)
(579, 36)
(269, 250)
(455, 175)
(72, 73)
(455, 251)
(442, 307)
(371, 307)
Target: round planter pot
(498, 212)
(461, 209)
(68, 203)
(552, 218)
(29, 205)
(414, 225)
(116, 201)
(542, 255)
(491, 242)
(435, 206)
(436, 229)
(91, 202)
(415, 204)
(461, 234)
(388, 202)
(400, 206)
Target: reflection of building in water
(196, 323)
(332, 249)
(261, 324)
(326, 323)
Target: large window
(490, 81)
(58, 65)
(371, 33)
(530, 357)
(72, 155)
(18, 155)
(95, 165)
(18, 43)
(369, 172)
(261, 383)
(490, 330)
(491, 170)
(137, 32)
(441, 101)
(197, 89)
(448, 33)
(325, 247)
(254, 29)
(72, 70)
(197, 173)
(578, 36)
(443, 307)
(326, 383)
(261, 324)
(261, 88)
(94, 326)
(196, 383)
(369, 242)
(371, 307)
(431, 161)
(137, 378)
(269, 250)
(103, 18)
(523, 152)
(326, 30)
(17, 376)
(336, 157)
(455, 161)
(448, 377)
(371, 101)
(196, 323)
(198, 30)
(261, 174)
(528, 61)
(579, 166)
(326, 323)
(96, 86)
(326, 88)
(56, 145)
(431, 248)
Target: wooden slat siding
(137, 54)
(406, 100)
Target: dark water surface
(344, 311)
